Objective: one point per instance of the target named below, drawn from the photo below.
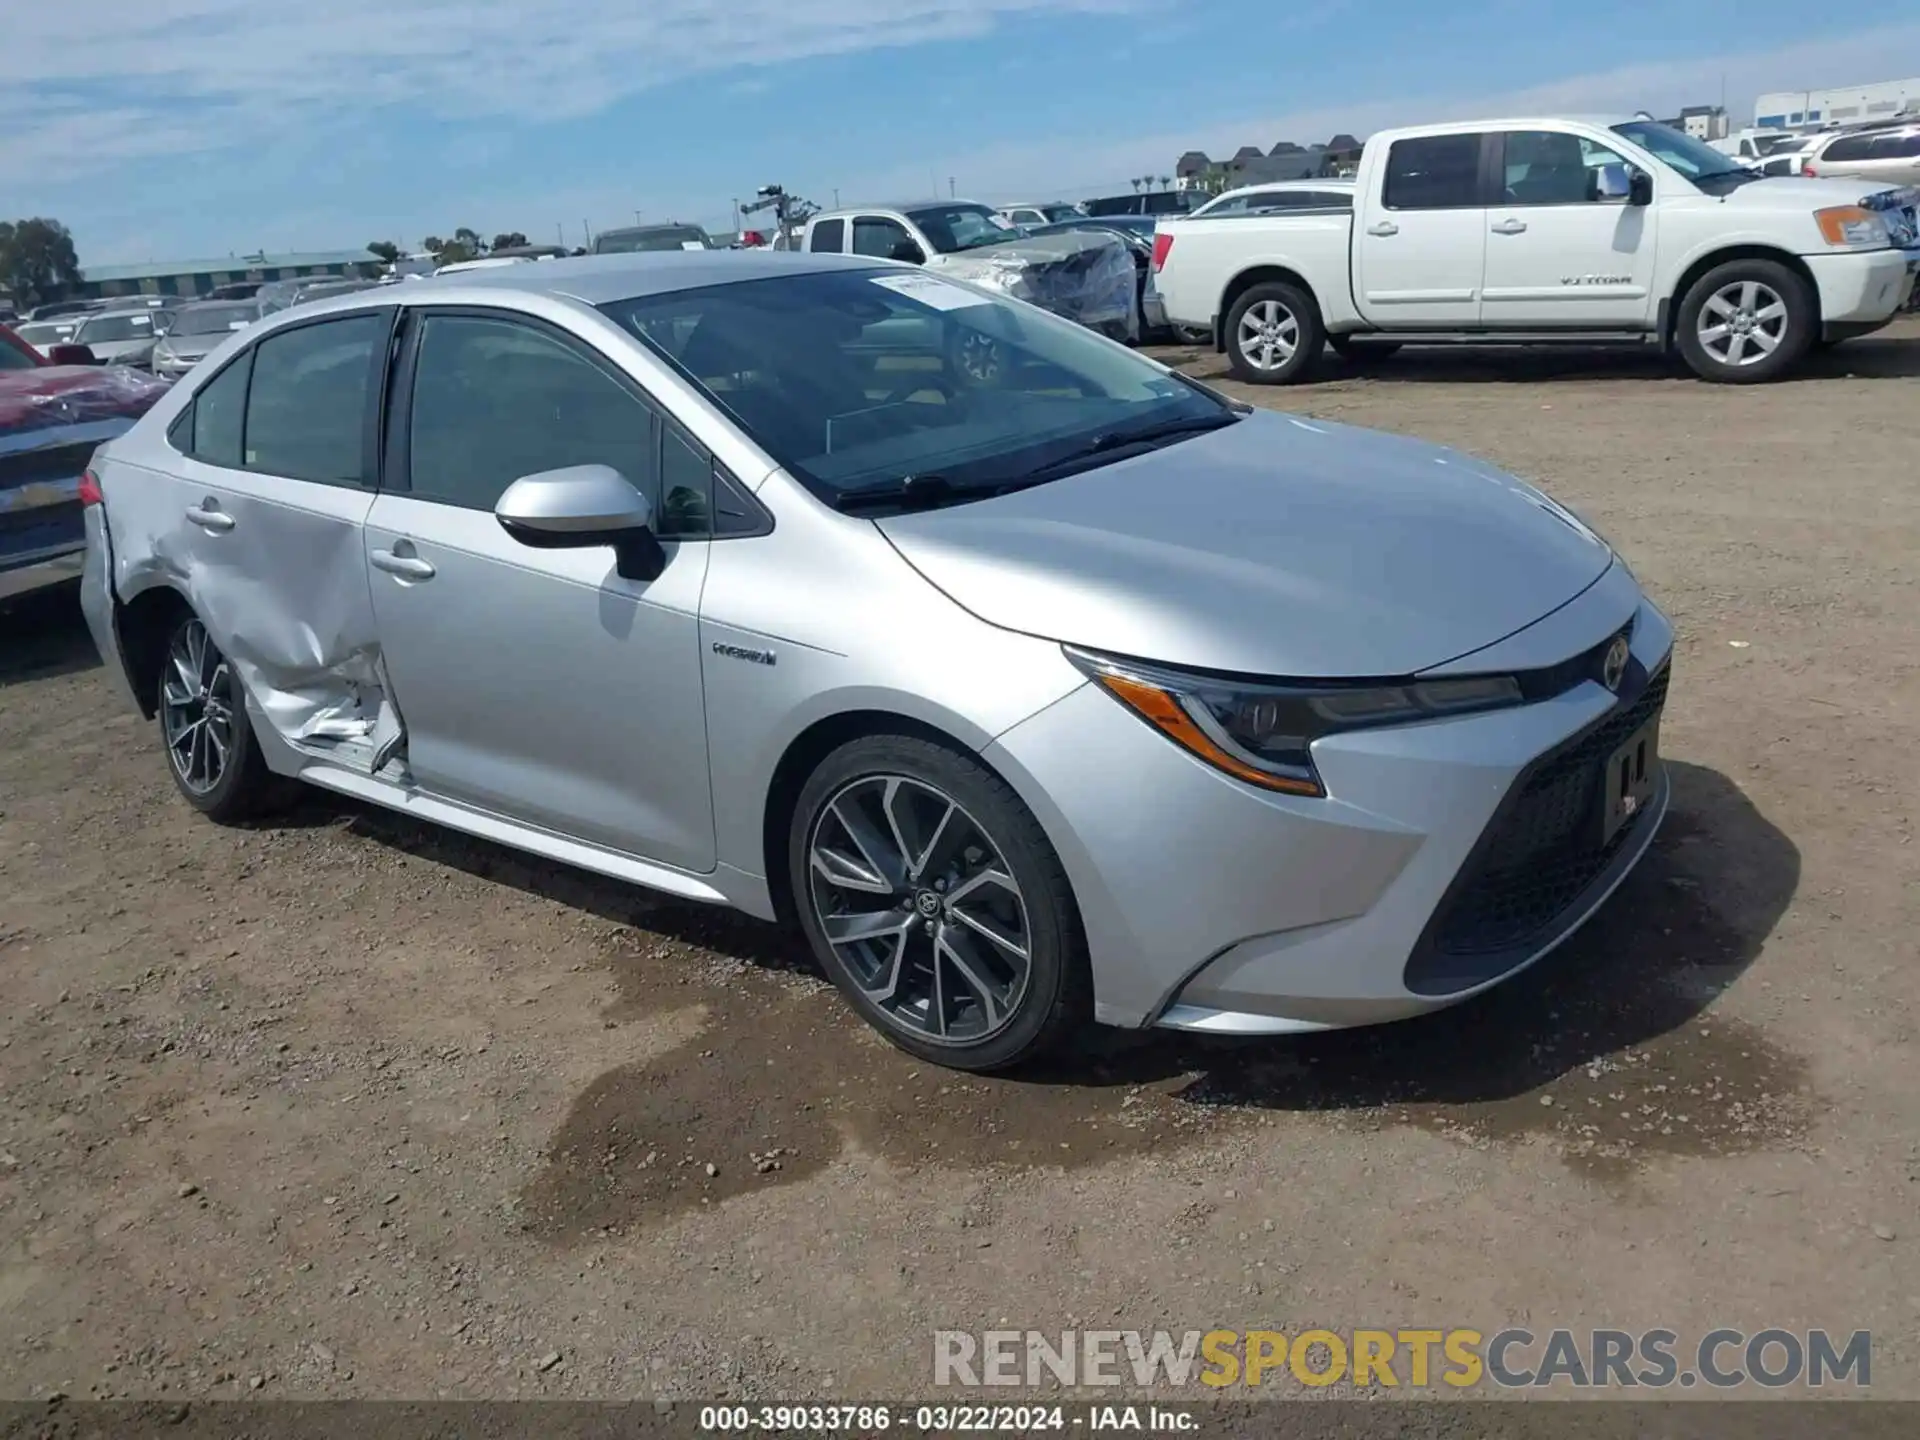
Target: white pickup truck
(1544, 231)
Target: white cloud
(1072, 167)
(198, 75)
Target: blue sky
(181, 129)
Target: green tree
(37, 259)
(385, 249)
(506, 240)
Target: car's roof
(599, 279)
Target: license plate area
(1632, 772)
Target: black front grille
(1538, 856)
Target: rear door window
(219, 413)
(1433, 172)
(307, 407)
(829, 237)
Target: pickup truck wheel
(1273, 334)
(1746, 322)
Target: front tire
(1746, 322)
(933, 900)
(201, 710)
(1273, 334)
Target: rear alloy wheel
(1746, 322)
(202, 713)
(933, 900)
(1273, 334)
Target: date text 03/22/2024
(943, 1419)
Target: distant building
(1842, 105)
(1249, 166)
(1702, 122)
(197, 277)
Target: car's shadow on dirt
(43, 635)
(1606, 1045)
(1874, 357)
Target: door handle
(1383, 227)
(209, 516)
(406, 567)
(1510, 227)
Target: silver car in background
(1033, 681)
(122, 336)
(197, 330)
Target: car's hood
(196, 347)
(1776, 192)
(115, 349)
(72, 394)
(1277, 546)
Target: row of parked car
(165, 334)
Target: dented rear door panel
(276, 571)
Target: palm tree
(1136, 185)
(1165, 181)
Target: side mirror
(1612, 182)
(908, 251)
(1641, 192)
(583, 507)
(72, 355)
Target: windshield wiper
(910, 492)
(1144, 436)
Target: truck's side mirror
(1640, 189)
(908, 251)
(1612, 182)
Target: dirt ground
(342, 1106)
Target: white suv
(1886, 155)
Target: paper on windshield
(691, 245)
(935, 294)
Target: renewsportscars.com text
(1459, 1358)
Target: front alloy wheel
(1742, 323)
(933, 899)
(918, 904)
(1746, 322)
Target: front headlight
(1263, 733)
(1852, 225)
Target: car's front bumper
(1868, 287)
(1211, 905)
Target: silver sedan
(1035, 682)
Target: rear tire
(201, 713)
(934, 901)
(1746, 322)
(1273, 334)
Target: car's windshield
(44, 332)
(1692, 158)
(856, 378)
(215, 319)
(658, 237)
(111, 329)
(952, 228)
(1060, 212)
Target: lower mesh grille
(1544, 849)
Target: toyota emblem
(1613, 669)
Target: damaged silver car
(1051, 688)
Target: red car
(53, 413)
